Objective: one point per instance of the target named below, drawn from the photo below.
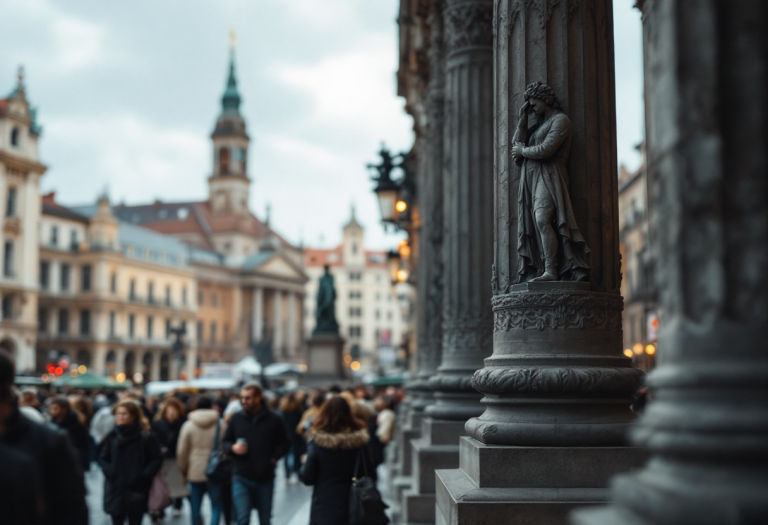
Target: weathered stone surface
(707, 427)
(468, 213)
(459, 501)
(545, 467)
(418, 508)
(557, 376)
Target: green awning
(90, 380)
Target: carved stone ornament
(467, 333)
(557, 310)
(448, 383)
(418, 385)
(557, 380)
(469, 24)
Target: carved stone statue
(549, 244)
(325, 316)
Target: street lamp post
(177, 348)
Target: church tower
(229, 184)
(354, 250)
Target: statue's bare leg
(548, 244)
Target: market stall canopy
(90, 380)
(284, 369)
(249, 366)
(158, 388)
(393, 380)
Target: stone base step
(418, 508)
(461, 502)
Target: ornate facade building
(374, 315)
(111, 293)
(250, 280)
(20, 173)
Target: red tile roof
(334, 257)
(320, 257)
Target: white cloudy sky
(128, 93)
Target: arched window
(15, 137)
(223, 160)
(146, 366)
(165, 367)
(130, 364)
(111, 362)
(243, 161)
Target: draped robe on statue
(543, 183)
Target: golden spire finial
(20, 75)
(232, 39)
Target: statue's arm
(558, 132)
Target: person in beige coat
(196, 441)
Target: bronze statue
(325, 315)
(549, 243)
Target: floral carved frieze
(554, 380)
(469, 24)
(449, 383)
(557, 311)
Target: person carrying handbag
(338, 446)
(199, 439)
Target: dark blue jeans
(247, 495)
(197, 490)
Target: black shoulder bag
(219, 469)
(365, 504)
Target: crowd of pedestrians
(156, 452)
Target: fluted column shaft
(430, 187)
(557, 376)
(468, 212)
(707, 130)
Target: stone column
(120, 360)
(418, 505)
(154, 366)
(291, 335)
(706, 425)
(99, 360)
(557, 387)
(468, 212)
(258, 314)
(278, 337)
(190, 355)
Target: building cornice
(22, 164)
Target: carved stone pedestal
(437, 448)
(527, 485)
(556, 377)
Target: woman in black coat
(336, 442)
(130, 458)
(291, 411)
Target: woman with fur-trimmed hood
(336, 440)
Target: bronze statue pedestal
(325, 359)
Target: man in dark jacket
(56, 464)
(66, 419)
(256, 439)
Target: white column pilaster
(257, 312)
